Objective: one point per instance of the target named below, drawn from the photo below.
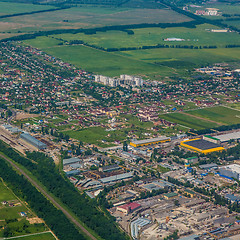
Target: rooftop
(228, 136)
(162, 138)
(202, 144)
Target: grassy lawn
(90, 135)
(219, 114)
(187, 121)
(44, 236)
(198, 36)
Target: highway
(52, 200)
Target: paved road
(65, 212)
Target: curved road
(65, 212)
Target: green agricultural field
(86, 17)
(199, 36)
(153, 63)
(12, 8)
(41, 236)
(184, 58)
(219, 114)
(187, 121)
(101, 62)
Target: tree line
(86, 209)
(53, 217)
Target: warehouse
(72, 160)
(116, 178)
(150, 141)
(33, 141)
(201, 145)
(229, 136)
(232, 171)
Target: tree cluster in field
(87, 210)
(53, 217)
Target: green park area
(12, 223)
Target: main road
(65, 212)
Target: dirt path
(208, 120)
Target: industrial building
(232, 171)
(11, 128)
(201, 146)
(116, 178)
(145, 142)
(228, 136)
(72, 160)
(136, 226)
(128, 208)
(33, 141)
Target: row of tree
(87, 210)
(53, 217)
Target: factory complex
(150, 141)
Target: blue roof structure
(33, 141)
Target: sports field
(199, 36)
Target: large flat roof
(202, 144)
(233, 167)
(162, 138)
(116, 177)
(228, 136)
(71, 160)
